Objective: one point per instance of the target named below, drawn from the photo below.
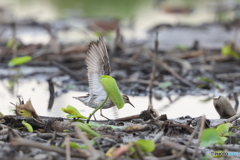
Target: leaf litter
(186, 69)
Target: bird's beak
(75, 98)
(131, 104)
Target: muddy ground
(173, 60)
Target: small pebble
(41, 156)
(6, 149)
(2, 143)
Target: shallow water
(39, 95)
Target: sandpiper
(98, 64)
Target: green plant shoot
(19, 61)
(146, 145)
(73, 112)
(165, 85)
(75, 145)
(215, 136)
(10, 43)
(223, 130)
(85, 128)
(24, 113)
(110, 86)
(27, 126)
(211, 136)
(228, 51)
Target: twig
(229, 120)
(92, 150)
(175, 74)
(29, 143)
(14, 47)
(199, 136)
(190, 140)
(175, 146)
(229, 148)
(13, 134)
(67, 144)
(150, 106)
(52, 95)
(138, 152)
(184, 64)
(189, 129)
(184, 149)
(128, 118)
(120, 151)
(158, 136)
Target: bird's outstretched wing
(97, 64)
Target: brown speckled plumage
(97, 64)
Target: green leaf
(110, 86)
(19, 61)
(73, 112)
(222, 140)
(65, 130)
(228, 51)
(223, 128)
(208, 81)
(27, 126)
(205, 79)
(228, 134)
(24, 113)
(10, 43)
(146, 145)
(83, 146)
(211, 136)
(71, 116)
(84, 127)
(181, 47)
(207, 99)
(74, 145)
(165, 84)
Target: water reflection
(39, 95)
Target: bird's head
(126, 100)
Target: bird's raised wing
(97, 64)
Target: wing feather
(97, 61)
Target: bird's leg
(94, 117)
(103, 115)
(100, 106)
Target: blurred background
(198, 40)
(135, 17)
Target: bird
(98, 64)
